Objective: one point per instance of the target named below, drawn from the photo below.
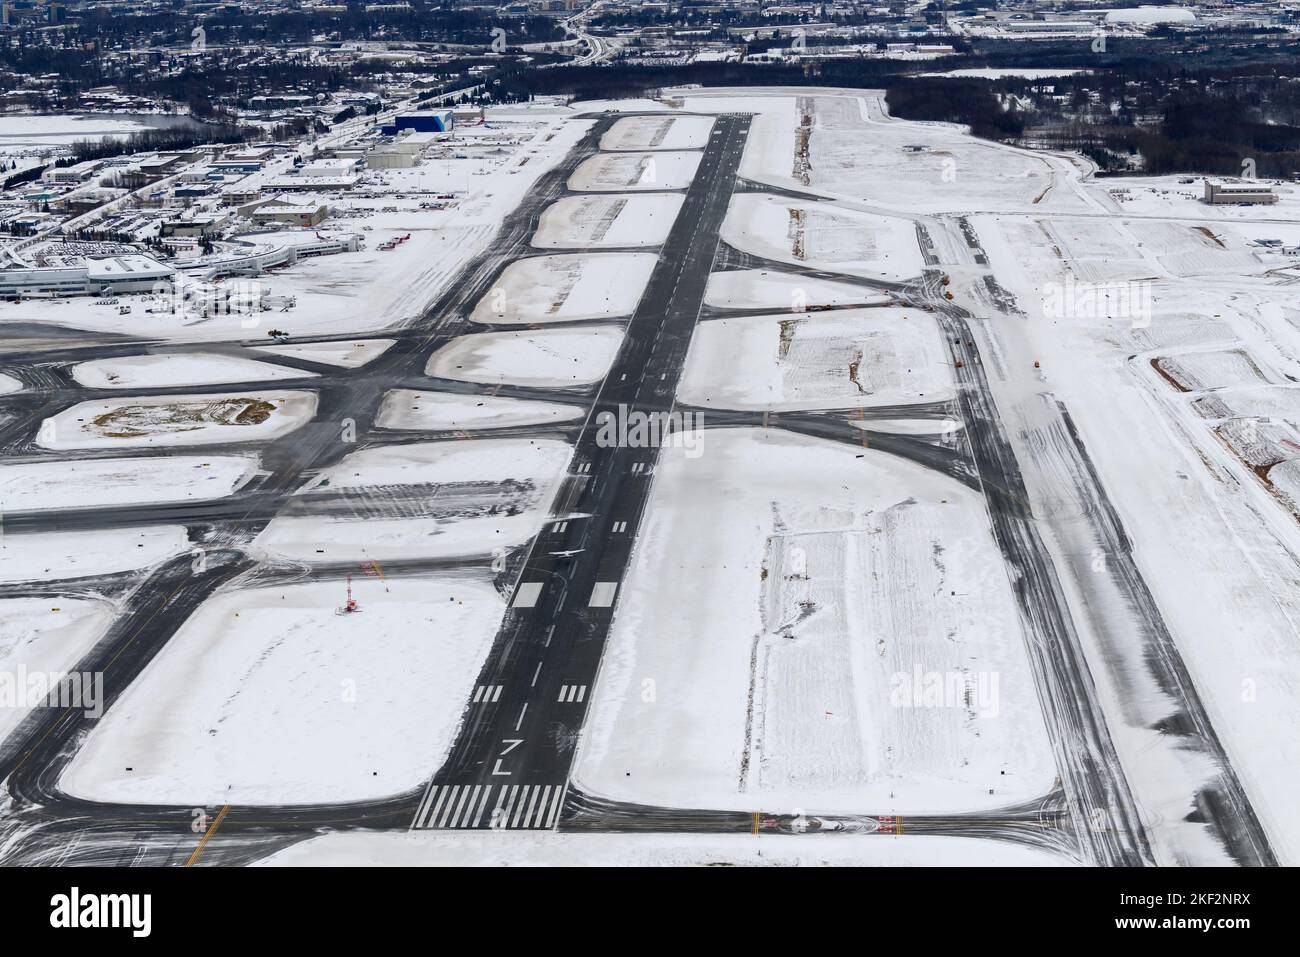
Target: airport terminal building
(118, 274)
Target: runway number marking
(511, 744)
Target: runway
(510, 766)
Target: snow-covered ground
(821, 236)
(761, 289)
(44, 637)
(1217, 550)
(8, 384)
(566, 288)
(549, 358)
(853, 359)
(349, 355)
(598, 222)
(103, 483)
(864, 650)
(846, 147)
(177, 369)
(47, 131)
(267, 696)
(452, 499)
(617, 172)
(658, 133)
(1182, 198)
(51, 556)
(174, 420)
(520, 849)
(430, 411)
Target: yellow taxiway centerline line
(207, 835)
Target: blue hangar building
(440, 121)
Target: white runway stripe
(527, 595)
(515, 806)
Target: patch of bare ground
(134, 421)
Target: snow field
(267, 696)
(452, 499)
(549, 358)
(792, 610)
(439, 411)
(617, 172)
(102, 483)
(851, 359)
(565, 288)
(597, 222)
(177, 369)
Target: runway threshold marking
(517, 807)
(207, 835)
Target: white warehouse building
(97, 277)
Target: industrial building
(293, 214)
(432, 121)
(1218, 194)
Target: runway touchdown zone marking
(527, 595)
(602, 596)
